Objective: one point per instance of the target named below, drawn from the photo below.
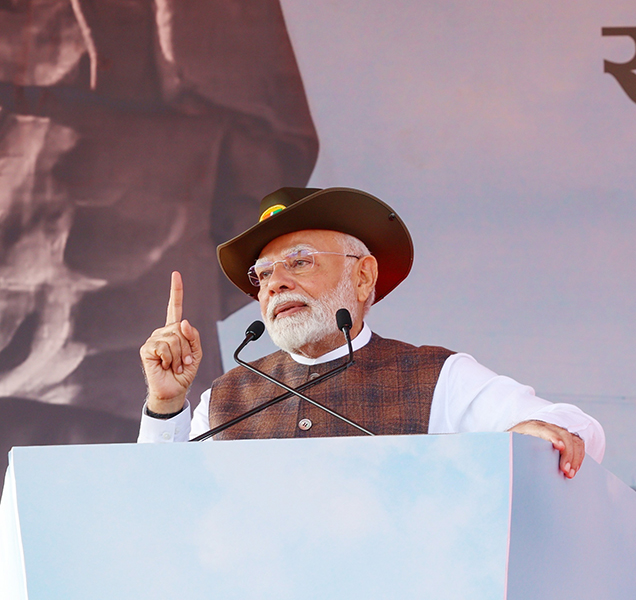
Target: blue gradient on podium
(386, 517)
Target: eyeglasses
(296, 263)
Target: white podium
(470, 516)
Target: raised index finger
(175, 304)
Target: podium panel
(474, 516)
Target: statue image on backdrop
(134, 137)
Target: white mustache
(284, 297)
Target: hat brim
(337, 209)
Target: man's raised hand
(171, 356)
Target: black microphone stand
(254, 331)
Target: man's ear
(367, 275)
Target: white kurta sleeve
(153, 431)
(200, 417)
(470, 397)
(180, 428)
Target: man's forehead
(306, 239)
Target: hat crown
(281, 199)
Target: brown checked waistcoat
(388, 390)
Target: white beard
(309, 326)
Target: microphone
(343, 320)
(253, 332)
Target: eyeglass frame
(256, 282)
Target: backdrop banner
(136, 136)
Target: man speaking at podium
(312, 253)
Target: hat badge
(271, 211)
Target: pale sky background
(492, 130)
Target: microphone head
(343, 319)
(255, 330)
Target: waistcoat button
(314, 375)
(305, 424)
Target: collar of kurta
(361, 340)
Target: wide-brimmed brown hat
(337, 209)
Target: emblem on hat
(271, 211)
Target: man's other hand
(570, 446)
(171, 356)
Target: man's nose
(280, 279)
